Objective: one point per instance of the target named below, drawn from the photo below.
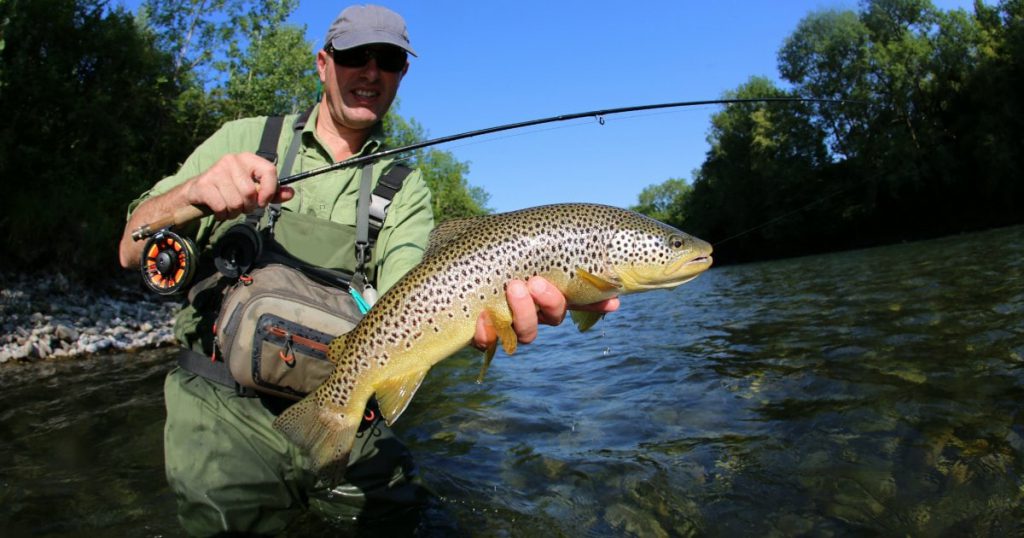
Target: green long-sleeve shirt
(331, 196)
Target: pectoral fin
(488, 355)
(598, 282)
(394, 395)
(585, 320)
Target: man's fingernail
(517, 289)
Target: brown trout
(589, 252)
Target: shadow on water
(869, 392)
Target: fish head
(647, 254)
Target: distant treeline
(98, 104)
(930, 143)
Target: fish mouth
(675, 274)
(686, 269)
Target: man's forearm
(130, 251)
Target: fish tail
(326, 436)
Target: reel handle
(179, 217)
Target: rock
(66, 333)
(42, 349)
(60, 282)
(77, 310)
(21, 352)
(39, 318)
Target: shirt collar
(373, 143)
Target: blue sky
(484, 63)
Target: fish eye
(676, 241)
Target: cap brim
(352, 40)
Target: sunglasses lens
(391, 59)
(351, 58)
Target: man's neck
(342, 141)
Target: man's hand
(533, 302)
(235, 184)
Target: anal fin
(394, 394)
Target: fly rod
(190, 213)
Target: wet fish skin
(589, 252)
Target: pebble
(40, 320)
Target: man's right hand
(235, 184)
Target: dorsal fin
(447, 232)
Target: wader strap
(216, 371)
(268, 143)
(363, 219)
(268, 150)
(293, 148)
(388, 185)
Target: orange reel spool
(168, 262)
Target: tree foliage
(927, 142)
(88, 121)
(664, 201)
(451, 194)
(100, 103)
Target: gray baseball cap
(365, 25)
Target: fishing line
(783, 216)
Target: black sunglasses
(389, 58)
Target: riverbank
(52, 317)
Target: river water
(875, 392)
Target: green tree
(88, 122)
(928, 142)
(664, 201)
(763, 162)
(274, 73)
(451, 193)
(196, 34)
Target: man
(231, 471)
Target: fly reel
(236, 252)
(168, 262)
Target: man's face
(358, 97)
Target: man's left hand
(533, 302)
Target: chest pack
(288, 284)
